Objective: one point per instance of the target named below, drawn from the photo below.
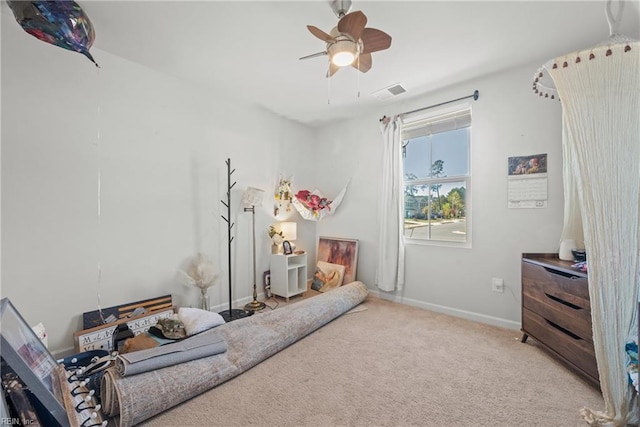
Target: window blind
(425, 126)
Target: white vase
(204, 299)
(564, 253)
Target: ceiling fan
(349, 43)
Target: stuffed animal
(165, 331)
(139, 342)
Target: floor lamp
(253, 197)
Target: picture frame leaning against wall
(340, 251)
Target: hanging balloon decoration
(61, 23)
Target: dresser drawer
(558, 299)
(575, 350)
(571, 288)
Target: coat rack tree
(231, 313)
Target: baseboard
(469, 315)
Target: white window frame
(423, 120)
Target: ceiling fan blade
(314, 55)
(319, 33)
(333, 68)
(374, 40)
(353, 24)
(363, 63)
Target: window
(436, 152)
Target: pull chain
(329, 84)
(358, 76)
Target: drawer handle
(563, 302)
(561, 273)
(563, 330)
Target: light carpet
(395, 365)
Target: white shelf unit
(288, 274)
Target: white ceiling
(251, 49)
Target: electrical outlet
(497, 285)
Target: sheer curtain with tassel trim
(572, 228)
(390, 265)
(598, 89)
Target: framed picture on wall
(27, 356)
(342, 252)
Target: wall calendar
(527, 182)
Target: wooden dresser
(556, 311)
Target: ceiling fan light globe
(342, 59)
(343, 52)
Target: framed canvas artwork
(342, 252)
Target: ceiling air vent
(389, 91)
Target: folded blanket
(195, 347)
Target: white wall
(508, 120)
(161, 151)
(160, 146)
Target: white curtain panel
(572, 227)
(599, 89)
(390, 265)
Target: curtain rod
(475, 97)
